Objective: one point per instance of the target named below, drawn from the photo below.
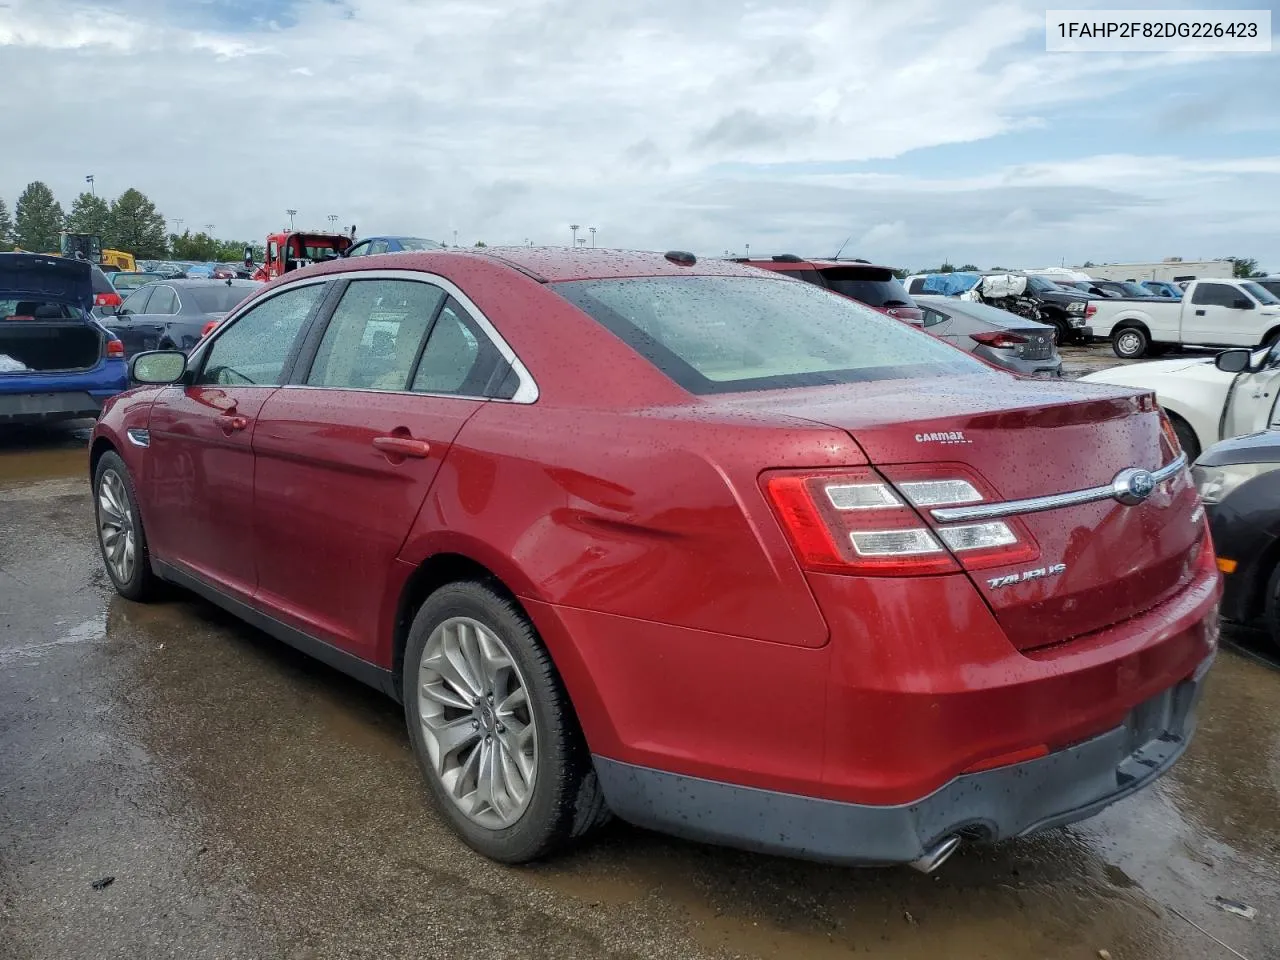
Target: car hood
(30, 276)
(1141, 374)
(1261, 447)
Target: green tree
(193, 246)
(137, 226)
(89, 214)
(38, 219)
(968, 268)
(481, 243)
(1088, 263)
(6, 226)
(1244, 267)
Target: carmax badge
(1036, 574)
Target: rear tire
(515, 782)
(121, 536)
(1186, 438)
(1271, 607)
(1130, 343)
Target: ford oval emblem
(1132, 486)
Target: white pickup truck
(1219, 313)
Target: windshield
(219, 299)
(132, 281)
(417, 243)
(720, 334)
(1259, 292)
(1041, 285)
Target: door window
(377, 246)
(375, 335)
(253, 350)
(163, 301)
(137, 301)
(1215, 295)
(460, 358)
(359, 250)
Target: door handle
(1199, 313)
(230, 423)
(402, 447)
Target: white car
(1209, 398)
(1221, 313)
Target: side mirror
(1242, 303)
(1233, 361)
(160, 367)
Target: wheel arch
(101, 445)
(1176, 410)
(1270, 336)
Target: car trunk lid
(36, 278)
(1093, 564)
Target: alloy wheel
(477, 724)
(116, 527)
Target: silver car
(997, 336)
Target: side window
(377, 246)
(460, 358)
(359, 250)
(917, 286)
(252, 351)
(375, 335)
(932, 317)
(1214, 294)
(273, 251)
(137, 302)
(163, 300)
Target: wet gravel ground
(250, 803)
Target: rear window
(36, 310)
(878, 288)
(218, 299)
(725, 334)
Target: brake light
(208, 328)
(1090, 309)
(107, 300)
(1000, 340)
(114, 350)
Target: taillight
(208, 328)
(107, 300)
(1002, 340)
(114, 350)
(1090, 309)
(858, 522)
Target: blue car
(371, 245)
(1163, 288)
(56, 361)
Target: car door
(361, 249)
(148, 326)
(199, 469)
(1214, 316)
(345, 457)
(1251, 404)
(123, 322)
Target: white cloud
(508, 120)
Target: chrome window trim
(526, 392)
(1054, 501)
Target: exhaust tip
(936, 855)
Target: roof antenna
(842, 246)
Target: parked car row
(600, 500)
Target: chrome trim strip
(1054, 501)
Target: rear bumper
(1063, 787)
(35, 398)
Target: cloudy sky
(919, 129)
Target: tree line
(130, 223)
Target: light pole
(332, 218)
(574, 228)
(748, 251)
(209, 228)
(292, 214)
(593, 237)
(89, 181)
(455, 238)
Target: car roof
(788, 261)
(186, 282)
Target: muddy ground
(250, 803)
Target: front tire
(1130, 343)
(493, 729)
(1271, 608)
(121, 536)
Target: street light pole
(89, 180)
(593, 237)
(292, 214)
(574, 228)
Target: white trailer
(1171, 270)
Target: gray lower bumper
(31, 407)
(1011, 801)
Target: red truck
(289, 250)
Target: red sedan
(701, 546)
